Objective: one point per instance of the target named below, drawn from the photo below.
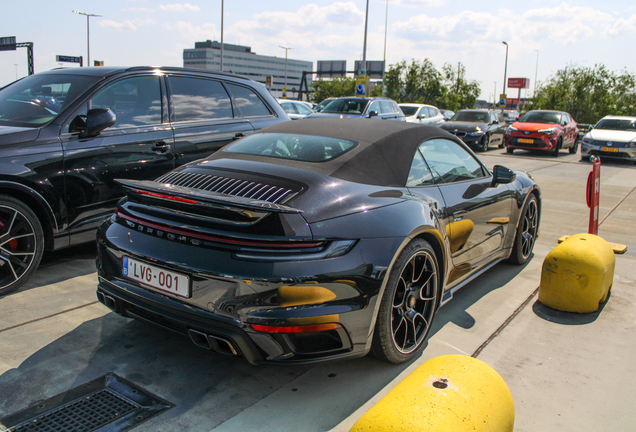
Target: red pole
(593, 193)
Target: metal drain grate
(107, 401)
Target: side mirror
(96, 121)
(373, 113)
(502, 175)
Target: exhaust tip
(213, 343)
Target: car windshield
(472, 116)
(38, 99)
(306, 148)
(540, 117)
(346, 106)
(617, 124)
(322, 104)
(408, 110)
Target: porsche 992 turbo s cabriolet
(314, 240)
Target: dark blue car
(362, 107)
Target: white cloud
(138, 9)
(130, 25)
(417, 3)
(562, 24)
(192, 33)
(120, 26)
(178, 7)
(621, 27)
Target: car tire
(575, 146)
(484, 142)
(408, 304)
(22, 242)
(555, 151)
(527, 230)
(510, 150)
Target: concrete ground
(565, 371)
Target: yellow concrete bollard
(577, 274)
(447, 393)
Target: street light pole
(505, 69)
(222, 1)
(386, 22)
(364, 49)
(534, 90)
(88, 33)
(286, 49)
(494, 98)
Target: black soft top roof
(383, 156)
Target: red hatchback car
(543, 130)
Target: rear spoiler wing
(195, 196)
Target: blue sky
(147, 32)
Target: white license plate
(156, 277)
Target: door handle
(160, 147)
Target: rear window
(408, 110)
(305, 148)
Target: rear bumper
(229, 296)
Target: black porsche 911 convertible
(314, 240)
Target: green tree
(587, 93)
(337, 87)
(460, 93)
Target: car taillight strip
(296, 329)
(168, 197)
(261, 244)
(228, 186)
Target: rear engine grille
(229, 186)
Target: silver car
(612, 137)
(422, 114)
(296, 110)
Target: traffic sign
(7, 43)
(68, 59)
(362, 86)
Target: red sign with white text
(520, 83)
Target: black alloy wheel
(510, 150)
(575, 146)
(526, 232)
(484, 142)
(408, 304)
(21, 244)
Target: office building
(241, 60)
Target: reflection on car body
(315, 240)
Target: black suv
(67, 134)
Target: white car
(422, 114)
(296, 110)
(612, 137)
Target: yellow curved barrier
(577, 275)
(447, 393)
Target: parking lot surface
(565, 371)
